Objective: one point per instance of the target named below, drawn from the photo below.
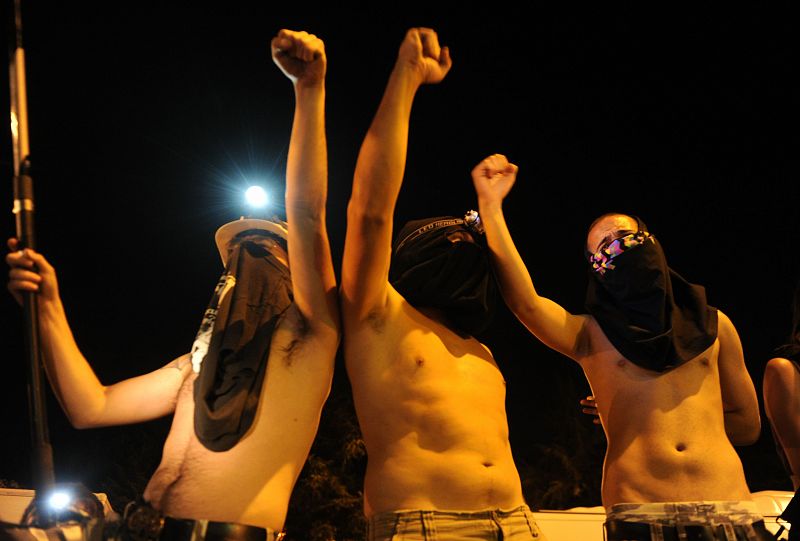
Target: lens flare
(59, 500)
(256, 197)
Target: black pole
(43, 476)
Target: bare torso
(252, 482)
(666, 432)
(431, 405)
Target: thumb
(38, 259)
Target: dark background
(147, 120)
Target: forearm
(74, 383)
(381, 160)
(313, 278)
(307, 162)
(739, 400)
(742, 427)
(547, 320)
(512, 274)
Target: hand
(421, 52)
(590, 408)
(493, 178)
(300, 56)
(30, 271)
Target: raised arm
(301, 57)
(547, 320)
(379, 174)
(87, 402)
(739, 398)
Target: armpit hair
(376, 319)
(301, 332)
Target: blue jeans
(421, 525)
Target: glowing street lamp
(256, 197)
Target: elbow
(83, 416)
(81, 421)
(746, 432)
(753, 433)
(368, 209)
(746, 438)
(522, 307)
(312, 209)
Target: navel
(681, 447)
(420, 361)
(488, 464)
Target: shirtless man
(248, 485)
(430, 398)
(673, 404)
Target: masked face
(236, 334)
(438, 264)
(634, 272)
(261, 244)
(609, 228)
(654, 317)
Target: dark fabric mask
(654, 317)
(429, 270)
(227, 390)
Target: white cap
(225, 233)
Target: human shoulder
(725, 327)
(181, 364)
(782, 365)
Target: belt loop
(199, 529)
(730, 531)
(398, 520)
(656, 532)
(534, 528)
(428, 526)
(494, 518)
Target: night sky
(148, 121)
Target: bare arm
(301, 57)
(379, 174)
(87, 402)
(781, 390)
(739, 399)
(547, 320)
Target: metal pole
(43, 476)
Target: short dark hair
(608, 214)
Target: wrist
(50, 309)
(310, 86)
(490, 206)
(409, 74)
